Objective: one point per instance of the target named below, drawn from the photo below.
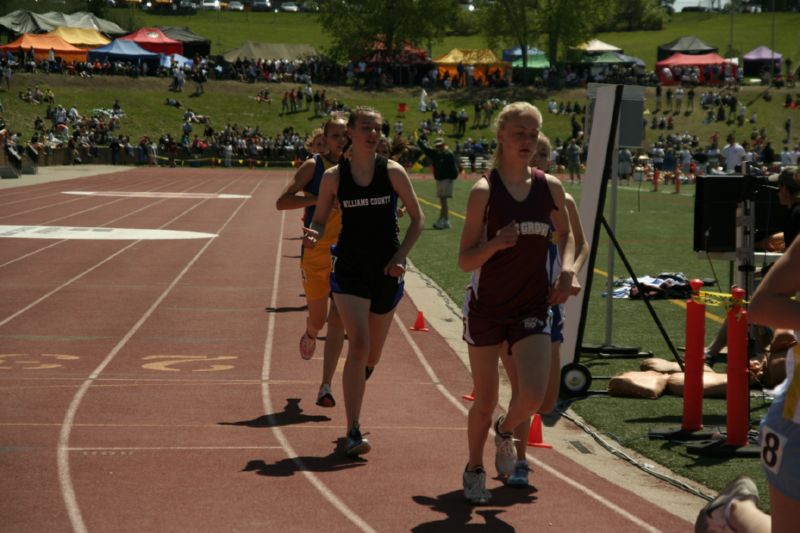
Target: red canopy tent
(42, 44)
(154, 40)
(704, 62)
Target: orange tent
(42, 44)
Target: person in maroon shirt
(504, 244)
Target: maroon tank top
(513, 284)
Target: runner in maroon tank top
(505, 245)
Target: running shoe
(714, 516)
(445, 224)
(356, 444)
(475, 486)
(506, 455)
(439, 224)
(307, 346)
(519, 478)
(325, 396)
(369, 370)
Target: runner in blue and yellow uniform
(302, 192)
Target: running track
(155, 385)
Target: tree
(570, 22)
(637, 15)
(510, 22)
(355, 25)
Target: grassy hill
(229, 30)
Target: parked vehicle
(210, 5)
(289, 7)
(235, 6)
(262, 5)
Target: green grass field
(229, 30)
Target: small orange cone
(470, 396)
(535, 434)
(419, 325)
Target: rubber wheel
(575, 379)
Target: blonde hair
(317, 132)
(542, 141)
(509, 112)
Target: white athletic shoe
(713, 517)
(475, 486)
(506, 455)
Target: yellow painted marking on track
(164, 363)
(45, 361)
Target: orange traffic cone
(419, 325)
(535, 434)
(471, 396)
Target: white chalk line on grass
(64, 477)
(552, 471)
(323, 489)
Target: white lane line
(323, 489)
(43, 248)
(56, 191)
(147, 194)
(97, 233)
(552, 471)
(64, 477)
(169, 448)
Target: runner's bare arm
(293, 196)
(325, 201)
(581, 246)
(405, 190)
(771, 304)
(474, 250)
(566, 243)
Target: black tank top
(370, 233)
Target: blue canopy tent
(123, 50)
(166, 60)
(512, 54)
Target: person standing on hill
(445, 172)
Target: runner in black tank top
(504, 243)
(369, 260)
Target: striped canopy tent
(596, 46)
(483, 60)
(154, 40)
(535, 61)
(42, 44)
(81, 37)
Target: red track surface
(143, 387)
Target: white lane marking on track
(552, 471)
(148, 194)
(43, 248)
(64, 478)
(170, 448)
(98, 233)
(265, 373)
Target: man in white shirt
(733, 153)
(787, 157)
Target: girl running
(504, 244)
(368, 259)
(519, 478)
(302, 192)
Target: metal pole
(613, 223)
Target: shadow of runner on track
(292, 414)
(459, 511)
(333, 462)
(286, 309)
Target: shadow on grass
(458, 512)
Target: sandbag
(714, 384)
(649, 385)
(657, 364)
